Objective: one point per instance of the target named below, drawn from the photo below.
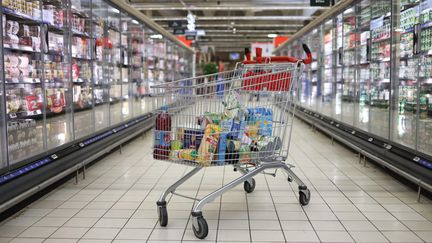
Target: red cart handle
(260, 59)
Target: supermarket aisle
(117, 202)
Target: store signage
(175, 24)
(179, 31)
(321, 3)
(191, 32)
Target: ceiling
(231, 25)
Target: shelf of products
(88, 72)
(359, 50)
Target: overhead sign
(179, 31)
(175, 24)
(200, 32)
(320, 3)
(191, 32)
(190, 37)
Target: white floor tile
(368, 236)
(301, 236)
(323, 225)
(267, 236)
(334, 236)
(233, 235)
(69, 232)
(101, 233)
(35, 231)
(134, 234)
(401, 236)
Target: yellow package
(187, 154)
(209, 144)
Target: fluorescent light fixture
(114, 10)
(350, 10)
(156, 36)
(134, 21)
(272, 35)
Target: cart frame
(248, 171)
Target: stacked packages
(237, 135)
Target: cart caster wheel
(249, 187)
(163, 216)
(202, 230)
(304, 197)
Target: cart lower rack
(242, 118)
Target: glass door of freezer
(125, 49)
(135, 35)
(424, 85)
(363, 76)
(3, 138)
(101, 72)
(405, 81)
(380, 29)
(24, 78)
(82, 42)
(325, 103)
(350, 42)
(338, 68)
(114, 65)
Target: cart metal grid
(243, 117)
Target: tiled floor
(117, 202)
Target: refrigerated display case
(73, 68)
(376, 78)
(363, 77)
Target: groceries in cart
(236, 135)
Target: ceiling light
(157, 36)
(272, 35)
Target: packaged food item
(187, 154)
(180, 134)
(252, 131)
(232, 151)
(266, 127)
(209, 144)
(192, 138)
(174, 155)
(245, 154)
(226, 126)
(162, 135)
(176, 145)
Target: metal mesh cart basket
(242, 118)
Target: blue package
(268, 122)
(222, 148)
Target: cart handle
(261, 59)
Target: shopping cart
(210, 121)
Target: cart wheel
(163, 216)
(304, 197)
(248, 187)
(202, 230)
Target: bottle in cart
(162, 135)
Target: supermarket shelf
(20, 48)
(13, 13)
(381, 40)
(80, 34)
